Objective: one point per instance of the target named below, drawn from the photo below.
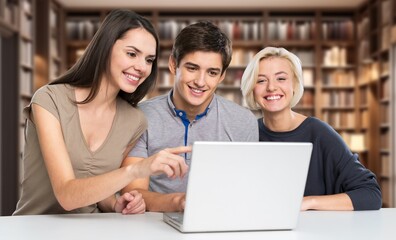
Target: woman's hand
(166, 161)
(130, 203)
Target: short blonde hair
(250, 75)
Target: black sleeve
(349, 175)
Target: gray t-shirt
(223, 120)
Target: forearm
(335, 202)
(159, 202)
(77, 193)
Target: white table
(314, 225)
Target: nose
(271, 86)
(140, 65)
(199, 80)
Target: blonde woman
(336, 179)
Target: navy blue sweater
(333, 168)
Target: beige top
(37, 196)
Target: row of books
(338, 30)
(338, 98)
(291, 30)
(235, 29)
(81, 29)
(339, 78)
(307, 100)
(340, 119)
(335, 57)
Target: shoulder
(131, 113)
(235, 110)
(56, 90)
(154, 102)
(319, 126)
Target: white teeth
(131, 77)
(273, 97)
(196, 90)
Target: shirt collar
(180, 113)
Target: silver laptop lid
(242, 186)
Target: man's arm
(155, 202)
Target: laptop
(243, 186)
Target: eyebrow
(277, 73)
(139, 51)
(197, 66)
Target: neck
(105, 98)
(191, 110)
(282, 121)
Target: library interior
(348, 56)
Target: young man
(190, 112)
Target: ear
(222, 77)
(172, 65)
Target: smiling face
(132, 59)
(196, 80)
(273, 91)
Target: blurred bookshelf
(347, 57)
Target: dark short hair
(95, 62)
(202, 36)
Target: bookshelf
(376, 91)
(26, 65)
(48, 53)
(8, 17)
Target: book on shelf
(308, 77)
(384, 140)
(386, 12)
(342, 78)
(241, 57)
(338, 30)
(307, 100)
(291, 30)
(339, 119)
(335, 57)
(26, 27)
(363, 28)
(27, 6)
(338, 98)
(26, 53)
(385, 166)
(364, 50)
(25, 83)
(363, 97)
(385, 89)
(234, 29)
(385, 38)
(384, 114)
(81, 29)
(393, 34)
